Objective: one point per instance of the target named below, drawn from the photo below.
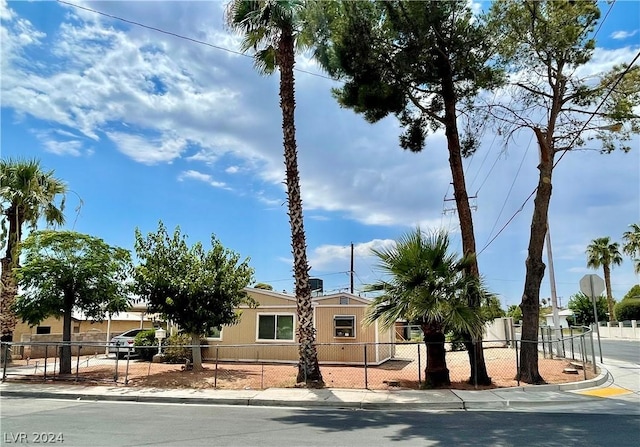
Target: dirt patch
(400, 373)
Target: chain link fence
(261, 366)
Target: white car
(123, 343)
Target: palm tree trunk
(308, 368)
(529, 372)
(478, 368)
(8, 286)
(607, 283)
(436, 373)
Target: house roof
(292, 298)
(336, 295)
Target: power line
(524, 156)
(180, 36)
(575, 138)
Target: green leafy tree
(631, 245)
(422, 62)
(491, 309)
(582, 308)
(633, 292)
(603, 253)
(27, 193)
(544, 45)
(271, 28)
(65, 270)
(426, 286)
(263, 286)
(199, 290)
(514, 312)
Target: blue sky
(144, 127)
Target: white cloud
(202, 177)
(148, 150)
(64, 147)
(621, 35)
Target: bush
(149, 344)
(627, 309)
(178, 349)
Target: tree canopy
(198, 289)
(544, 46)
(65, 270)
(582, 308)
(631, 245)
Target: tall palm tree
(270, 28)
(603, 253)
(427, 286)
(631, 245)
(27, 193)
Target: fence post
(126, 370)
(593, 351)
(544, 348)
(573, 355)
(115, 375)
(78, 362)
(5, 347)
(55, 360)
(517, 363)
(564, 353)
(419, 367)
(584, 355)
(366, 378)
(215, 372)
(46, 356)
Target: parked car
(123, 343)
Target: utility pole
(351, 270)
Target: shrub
(178, 349)
(627, 309)
(148, 344)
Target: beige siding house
(268, 332)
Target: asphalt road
(624, 350)
(79, 423)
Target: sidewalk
(499, 398)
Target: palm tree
(27, 193)
(427, 286)
(603, 253)
(270, 28)
(631, 245)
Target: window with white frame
(344, 326)
(275, 327)
(215, 333)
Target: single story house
(268, 331)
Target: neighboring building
(137, 317)
(268, 332)
(562, 317)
